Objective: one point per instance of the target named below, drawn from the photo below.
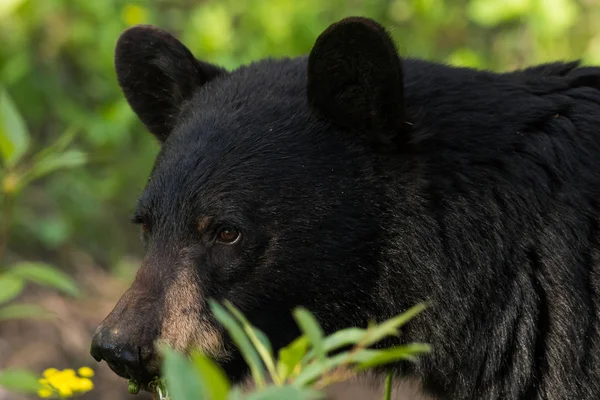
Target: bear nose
(121, 355)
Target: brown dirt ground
(63, 342)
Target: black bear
(358, 183)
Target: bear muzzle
(154, 312)
(124, 356)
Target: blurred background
(75, 157)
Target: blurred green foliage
(56, 63)
(19, 168)
(298, 371)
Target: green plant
(18, 171)
(52, 384)
(300, 371)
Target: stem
(388, 387)
(339, 375)
(5, 223)
(264, 354)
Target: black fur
(355, 80)
(489, 208)
(157, 75)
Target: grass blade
(216, 385)
(19, 380)
(242, 342)
(259, 340)
(181, 380)
(311, 328)
(290, 356)
(372, 358)
(390, 326)
(46, 275)
(24, 311)
(14, 136)
(10, 287)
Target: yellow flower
(68, 373)
(64, 389)
(85, 385)
(85, 372)
(65, 383)
(49, 372)
(45, 393)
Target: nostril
(96, 347)
(117, 353)
(121, 358)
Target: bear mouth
(143, 378)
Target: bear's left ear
(355, 79)
(157, 74)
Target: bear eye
(228, 236)
(143, 222)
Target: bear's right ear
(157, 73)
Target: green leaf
(287, 393)
(53, 162)
(311, 328)
(19, 380)
(264, 341)
(340, 339)
(53, 230)
(46, 275)
(10, 287)
(390, 327)
(23, 311)
(371, 358)
(465, 57)
(215, 382)
(361, 358)
(259, 340)
(241, 341)
(236, 394)
(320, 367)
(57, 146)
(490, 13)
(555, 17)
(7, 7)
(290, 356)
(181, 380)
(14, 137)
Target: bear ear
(355, 79)
(157, 73)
